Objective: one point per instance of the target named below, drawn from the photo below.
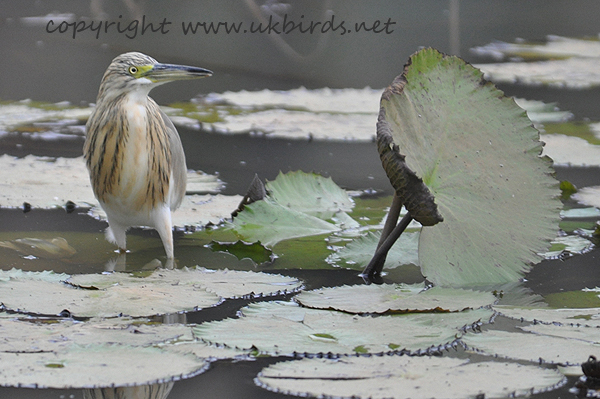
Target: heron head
(139, 72)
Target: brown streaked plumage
(132, 150)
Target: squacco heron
(132, 150)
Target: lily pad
(314, 331)
(357, 253)
(394, 297)
(588, 316)
(309, 193)
(31, 335)
(93, 366)
(554, 47)
(530, 347)
(571, 151)
(406, 377)
(571, 73)
(164, 291)
(479, 156)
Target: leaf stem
(372, 273)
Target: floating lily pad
(571, 73)
(30, 335)
(587, 316)
(478, 154)
(321, 331)
(93, 366)
(588, 196)
(541, 112)
(580, 333)
(321, 114)
(394, 297)
(357, 253)
(406, 377)
(568, 245)
(530, 347)
(554, 47)
(164, 291)
(571, 151)
(298, 205)
(309, 193)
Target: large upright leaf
(478, 154)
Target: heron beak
(162, 73)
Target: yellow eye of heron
(133, 70)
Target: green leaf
(269, 222)
(394, 297)
(309, 193)
(338, 333)
(479, 156)
(357, 253)
(406, 377)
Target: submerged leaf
(321, 331)
(243, 250)
(479, 156)
(406, 377)
(394, 297)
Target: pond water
(51, 68)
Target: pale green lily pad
(588, 196)
(132, 300)
(406, 377)
(298, 204)
(321, 114)
(224, 283)
(586, 316)
(541, 112)
(47, 275)
(52, 182)
(568, 245)
(554, 47)
(29, 335)
(479, 156)
(589, 212)
(269, 222)
(164, 291)
(309, 193)
(95, 366)
(531, 347)
(357, 253)
(321, 331)
(571, 151)
(579, 333)
(394, 297)
(571, 73)
(27, 112)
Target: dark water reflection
(56, 68)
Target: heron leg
(164, 227)
(116, 234)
